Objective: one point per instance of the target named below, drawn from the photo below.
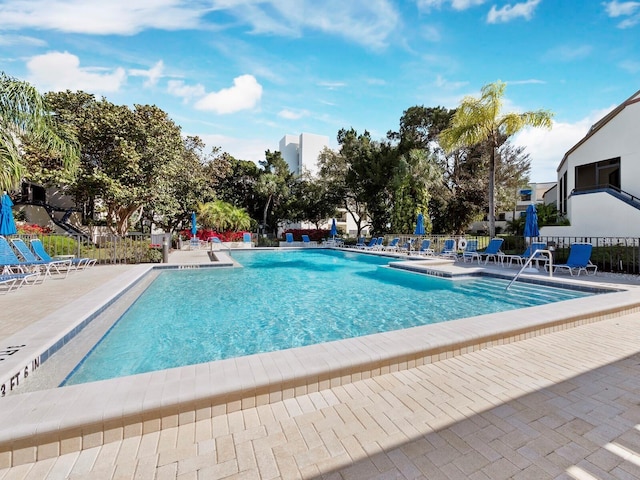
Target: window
(605, 173)
(525, 195)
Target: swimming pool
(282, 300)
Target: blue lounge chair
(78, 263)
(579, 260)
(393, 245)
(194, 243)
(307, 242)
(521, 259)
(406, 247)
(470, 251)
(373, 243)
(360, 243)
(425, 248)
(492, 252)
(12, 281)
(288, 237)
(449, 249)
(51, 266)
(10, 263)
(246, 238)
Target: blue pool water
(287, 299)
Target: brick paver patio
(561, 405)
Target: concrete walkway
(561, 405)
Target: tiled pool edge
(116, 409)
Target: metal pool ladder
(528, 262)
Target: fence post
(165, 250)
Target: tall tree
(24, 112)
(480, 119)
(419, 127)
(126, 155)
(274, 185)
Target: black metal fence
(610, 254)
(106, 249)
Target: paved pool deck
(558, 403)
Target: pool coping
(48, 423)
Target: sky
(241, 74)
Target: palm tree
(480, 120)
(23, 112)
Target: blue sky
(243, 73)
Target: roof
(635, 98)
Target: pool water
(281, 300)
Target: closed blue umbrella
(334, 228)
(419, 225)
(531, 222)
(7, 224)
(194, 228)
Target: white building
(301, 152)
(599, 178)
(536, 193)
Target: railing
(611, 189)
(107, 249)
(610, 254)
(528, 262)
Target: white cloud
(360, 21)
(293, 115)
(631, 66)
(332, 85)
(508, 12)
(443, 83)
(617, 9)
(531, 81)
(431, 33)
(427, 5)
(10, 40)
(565, 53)
(624, 9)
(547, 147)
(241, 148)
(245, 94)
(364, 22)
(187, 92)
(153, 74)
(57, 71)
(121, 17)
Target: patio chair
(51, 266)
(470, 251)
(10, 263)
(13, 281)
(579, 260)
(288, 237)
(360, 243)
(522, 258)
(492, 252)
(194, 243)
(246, 239)
(79, 263)
(371, 245)
(308, 243)
(406, 247)
(425, 248)
(393, 245)
(449, 249)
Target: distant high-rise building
(301, 152)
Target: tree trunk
(492, 193)
(264, 214)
